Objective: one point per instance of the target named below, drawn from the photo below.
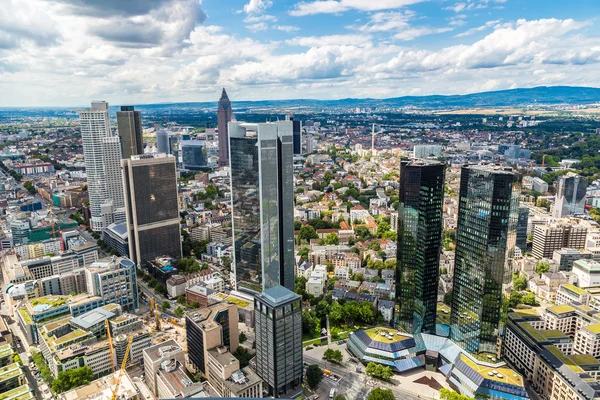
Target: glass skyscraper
(419, 240)
(261, 162)
(485, 242)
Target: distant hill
(500, 98)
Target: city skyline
(166, 50)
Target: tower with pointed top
(224, 115)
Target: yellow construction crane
(152, 306)
(157, 317)
(110, 345)
(123, 364)
(544, 161)
(52, 223)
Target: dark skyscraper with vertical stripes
(129, 127)
(224, 115)
(485, 244)
(419, 240)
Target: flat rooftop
(102, 389)
(18, 393)
(381, 335)
(153, 351)
(92, 318)
(497, 374)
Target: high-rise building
(129, 126)
(485, 242)
(311, 144)
(297, 130)
(163, 144)
(278, 329)
(152, 209)
(224, 116)
(570, 196)
(193, 154)
(261, 163)
(102, 153)
(420, 225)
(522, 228)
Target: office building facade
(102, 153)
(522, 228)
(193, 155)
(152, 209)
(163, 144)
(485, 242)
(224, 116)
(129, 127)
(297, 133)
(570, 196)
(556, 236)
(114, 280)
(278, 329)
(420, 224)
(261, 163)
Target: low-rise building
(587, 273)
(569, 293)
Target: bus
(332, 394)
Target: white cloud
(458, 7)
(418, 31)
(259, 26)
(335, 6)
(253, 19)
(286, 28)
(399, 22)
(257, 6)
(331, 40)
(477, 29)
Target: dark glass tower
(297, 129)
(261, 163)
(419, 240)
(278, 329)
(224, 115)
(151, 207)
(129, 126)
(522, 228)
(485, 243)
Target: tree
(381, 394)
(322, 309)
(335, 312)
(310, 322)
(448, 394)
(333, 355)
(332, 239)
(181, 299)
(542, 267)
(179, 312)
(379, 371)
(17, 359)
(300, 285)
(515, 298)
(243, 337)
(165, 306)
(519, 282)
(339, 397)
(243, 356)
(72, 378)
(29, 186)
(304, 253)
(307, 232)
(529, 299)
(314, 375)
(362, 233)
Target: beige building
(225, 376)
(547, 238)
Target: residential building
(419, 241)
(539, 185)
(570, 195)
(568, 293)
(102, 153)
(129, 127)
(262, 204)
(278, 330)
(150, 183)
(587, 273)
(176, 285)
(560, 235)
(224, 116)
(486, 236)
(427, 150)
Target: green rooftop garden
(507, 375)
(574, 288)
(52, 301)
(25, 315)
(562, 309)
(18, 393)
(6, 350)
(381, 335)
(70, 336)
(10, 371)
(50, 326)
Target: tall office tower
(485, 241)
(297, 129)
(556, 236)
(224, 115)
(278, 330)
(420, 225)
(570, 196)
(261, 164)
(102, 153)
(193, 154)
(311, 144)
(522, 228)
(129, 126)
(162, 141)
(152, 209)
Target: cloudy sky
(69, 52)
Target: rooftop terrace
(381, 335)
(497, 374)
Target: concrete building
(587, 273)
(193, 155)
(560, 235)
(150, 183)
(225, 376)
(539, 185)
(565, 258)
(427, 150)
(103, 389)
(162, 141)
(208, 328)
(154, 356)
(102, 153)
(113, 280)
(129, 127)
(278, 330)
